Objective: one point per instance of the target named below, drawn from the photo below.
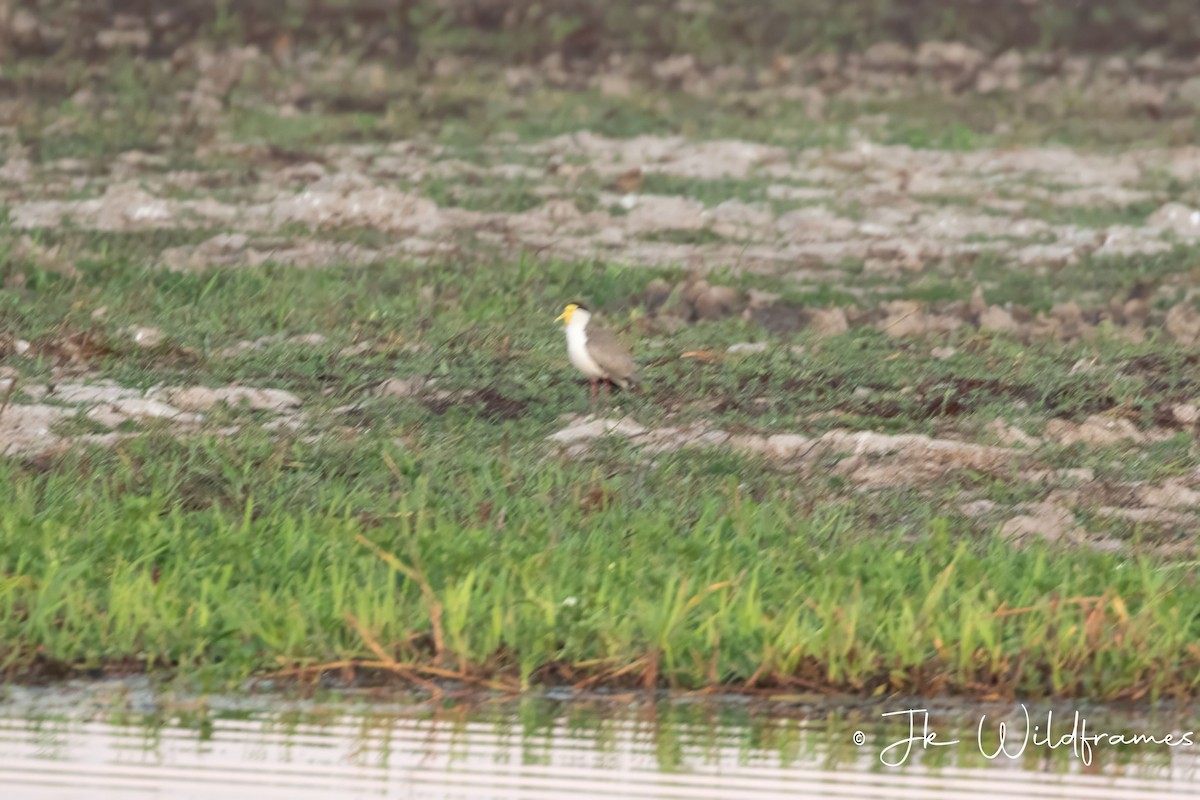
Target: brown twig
(414, 574)
(1010, 612)
(371, 642)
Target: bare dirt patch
(996, 201)
(911, 458)
(31, 425)
(871, 461)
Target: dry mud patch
(32, 425)
(870, 461)
(900, 213)
(915, 213)
(917, 208)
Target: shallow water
(123, 740)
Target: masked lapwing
(595, 352)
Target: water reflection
(119, 742)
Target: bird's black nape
(581, 306)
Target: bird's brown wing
(611, 355)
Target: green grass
(483, 194)
(1093, 216)
(449, 535)
(1091, 280)
(708, 192)
(699, 236)
(229, 558)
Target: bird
(594, 351)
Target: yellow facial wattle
(567, 313)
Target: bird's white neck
(579, 319)
(577, 347)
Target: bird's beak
(562, 316)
